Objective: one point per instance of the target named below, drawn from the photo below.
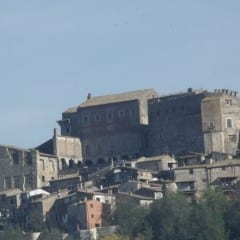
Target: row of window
(110, 147)
(110, 116)
(174, 109)
(15, 181)
(18, 156)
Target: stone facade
(194, 121)
(109, 126)
(221, 122)
(128, 125)
(88, 214)
(66, 149)
(25, 168)
(175, 123)
(193, 179)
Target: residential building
(26, 168)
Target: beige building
(221, 122)
(66, 149)
(193, 179)
(26, 168)
(156, 163)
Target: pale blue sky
(53, 52)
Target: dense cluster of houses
(75, 180)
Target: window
(109, 116)
(232, 138)
(228, 102)
(91, 205)
(8, 182)
(99, 149)
(191, 171)
(86, 120)
(15, 157)
(212, 125)
(92, 215)
(68, 130)
(229, 123)
(97, 117)
(182, 108)
(131, 113)
(43, 178)
(121, 114)
(87, 149)
(42, 163)
(28, 158)
(16, 181)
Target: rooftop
(11, 192)
(115, 98)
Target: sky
(53, 53)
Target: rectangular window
(229, 123)
(232, 138)
(109, 116)
(121, 114)
(42, 164)
(86, 120)
(8, 182)
(15, 157)
(228, 102)
(87, 149)
(68, 130)
(99, 149)
(191, 171)
(28, 158)
(43, 178)
(97, 118)
(16, 182)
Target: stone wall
(25, 169)
(221, 123)
(175, 124)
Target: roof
(38, 192)
(11, 192)
(155, 158)
(224, 163)
(14, 147)
(115, 98)
(137, 196)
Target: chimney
(89, 96)
(54, 132)
(190, 90)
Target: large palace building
(132, 124)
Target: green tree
(130, 217)
(232, 220)
(12, 234)
(169, 217)
(208, 219)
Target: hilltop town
(133, 146)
